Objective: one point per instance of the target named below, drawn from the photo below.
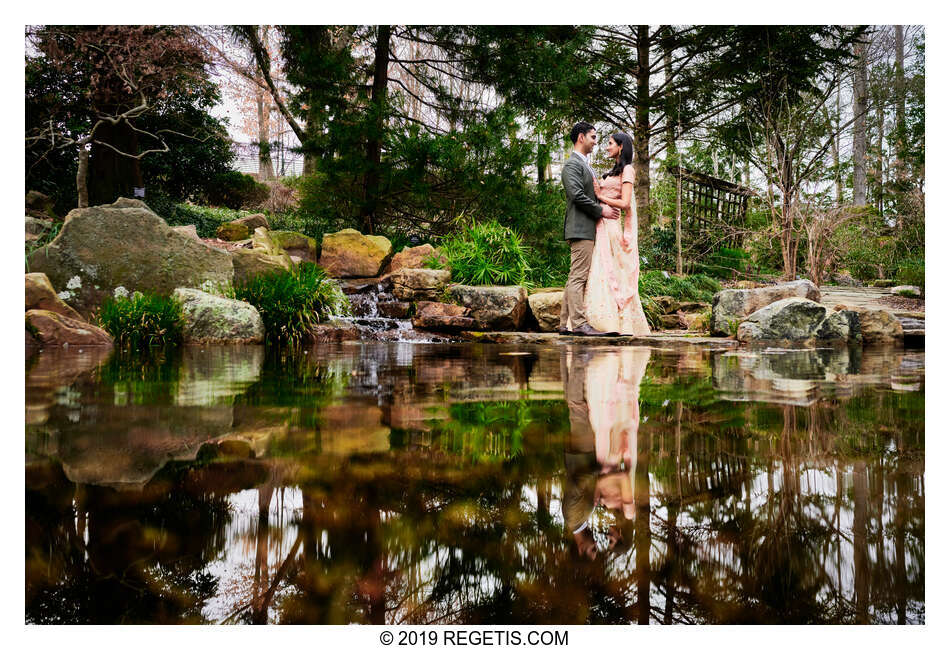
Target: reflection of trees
(745, 511)
(97, 555)
(769, 540)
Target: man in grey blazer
(580, 227)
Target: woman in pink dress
(612, 300)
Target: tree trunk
(374, 141)
(641, 131)
(82, 177)
(900, 120)
(860, 537)
(836, 148)
(671, 113)
(112, 175)
(880, 155)
(679, 223)
(860, 133)
(265, 167)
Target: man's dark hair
(580, 127)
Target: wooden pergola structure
(707, 202)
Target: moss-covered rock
(295, 244)
(233, 231)
(252, 262)
(350, 254)
(795, 321)
(732, 305)
(213, 319)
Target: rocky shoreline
(125, 246)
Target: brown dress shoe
(587, 330)
(563, 331)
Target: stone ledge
(660, 339)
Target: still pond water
(414, 483)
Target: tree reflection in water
(466, 485)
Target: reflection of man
(580, 461)
(602, 394)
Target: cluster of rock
(126, 247)
(51, 322)
(791, 314)
(100, 249)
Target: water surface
(413, 483)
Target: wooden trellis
(708, 204)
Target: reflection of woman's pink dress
(612, 300)
(613, 394)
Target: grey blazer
(583, 209)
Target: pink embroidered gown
(612, 299)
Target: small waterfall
(379, 315)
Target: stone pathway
(870, 298)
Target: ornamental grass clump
(142, 320)
(486, 254)
(700, 288)
(291, 302)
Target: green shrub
(232, 189)
(142, 319)
(487, 253)
(911, 272)
(658, 248)
(205, 219)
(699, 288)
(725, 263)
(291, 302)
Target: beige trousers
(572, 305)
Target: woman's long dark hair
(626, 153)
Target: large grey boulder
(845, 279)
(191, 230)
(733, 305)
(419, 284)
(214, 319)
(492, 308)
(796, 321)
(124, 244)
(546, 309)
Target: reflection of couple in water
(602, 389)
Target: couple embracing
(601, 297)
